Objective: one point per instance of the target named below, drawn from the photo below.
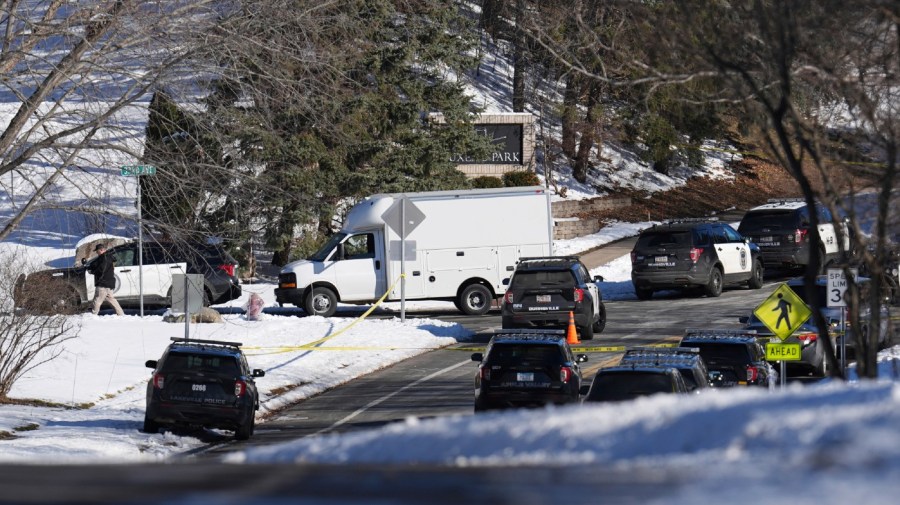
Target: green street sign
(783, 312)
(134, 170)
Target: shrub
(520, 178)
(486, 181)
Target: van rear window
(664, 238)
(543, 279)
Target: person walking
(104, 280)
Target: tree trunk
(588, 136)
(570, 117)
(518, 90)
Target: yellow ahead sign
(782, 352)
(783, 312)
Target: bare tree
(27, 339)
(787, 69)
(75, 72)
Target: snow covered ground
(835, 442)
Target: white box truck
(460, 246)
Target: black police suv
(686, 359)
(543, 290)
(733, 357)
(782, 227)
(633, 380)
(204, 383)
(527, 368)
(691, 253)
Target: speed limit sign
(837, 286)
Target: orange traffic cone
(571, 334)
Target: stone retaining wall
(566, 223)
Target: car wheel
(475, 300)
(150, 426)
(587, 332)
(714, 288)
(643, 293)
(245, 430)
(482, 407)
(600, 323)
(756, 275)
(320, 302)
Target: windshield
(323, 252)
(757, 220)
(664, 238)
(628, 385)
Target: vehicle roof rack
(784, 200)
(719, 331)
(549, 258)
(692, 220)
(207, 342)
(663, 350)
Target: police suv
(693, 254)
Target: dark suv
(203, 383)
(733, 357)
(634, 380)
(542, 292)
(686, 359)
(690, 253)
(68, 290)
(526, 368)
(781, 229)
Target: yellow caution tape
(315, 343)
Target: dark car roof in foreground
(207, 346)
(530, 336)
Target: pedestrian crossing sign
(783, 312)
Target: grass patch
(5, 435)
(27, 427)
(32, 402)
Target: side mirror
(505, 281)
(84, 261)
(151, 363)
(258, 373)
(581, 358)
(743, 319)
(477, 356)
(598, 278)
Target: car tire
(320, 302)
(643, 293)
(482, 407)
(587, 332)
(150, 426)
(600, 323)
(475, 300)
(714, 287)
(244, 431)
(756, 275)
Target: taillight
(807, 338)
(633, 257)
(228, 268)
(579, 294)
(752, 373)
(565, 373)
(695, 253)
(485, 373)
(240, 387)
(508, 297)
(799, 235)
(158, 381)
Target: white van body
(463, 247)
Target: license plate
(543, 298)
(766, 239)
(661, 259)
(525, 376)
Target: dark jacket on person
(102, 268)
